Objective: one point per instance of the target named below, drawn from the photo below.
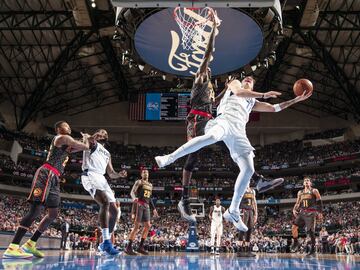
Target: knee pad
(191, 162)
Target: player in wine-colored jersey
(141, 193)
(307, 207)
(45, 191)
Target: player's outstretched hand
(271, 94)
(156, 214)
(229, 80)
(304, 96)
(295, 213)
(217, 19)
(85, 135)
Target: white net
(192, 22)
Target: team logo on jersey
(37, 192)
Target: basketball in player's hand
(301, 86)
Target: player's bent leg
(30, 245)
(212, 136)
(14, 250)
(246, 165)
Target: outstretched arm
(74, 145)
(267, 107)
(208, 51)
(111, 172)
(222, 93)
(239, 91)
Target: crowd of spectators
(71, 182)
(169, 233)
(327, 134)
(269, 157)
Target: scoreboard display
(167, 106)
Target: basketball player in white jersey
(229, 127)
(96, 163)
(216, 217)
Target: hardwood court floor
(57, 260)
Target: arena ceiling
(58, 56)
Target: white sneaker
(185, 212)
(265, 185)
(212, 250)
(217, 252)
(162, 161)
(236, 220)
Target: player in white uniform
(229, 127)
(96, 163)
(216, 217)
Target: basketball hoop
(192, 22)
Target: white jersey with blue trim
(217, 215)
(96, 159)
(236, 107)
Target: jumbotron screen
(167, 106)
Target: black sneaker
(265, 185)
(294, 247)
(130, 251)
(142, 251)
(250, 254)
(185, 211)
(241, 254)
(311, 253)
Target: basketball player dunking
(216, 229)
(45, 192)
(141, 194)
(248, 207)
(308, 206)
(96, 163)
(230, 126)
(202, 98)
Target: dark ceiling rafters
(36, 76)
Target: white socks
(105, 234)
